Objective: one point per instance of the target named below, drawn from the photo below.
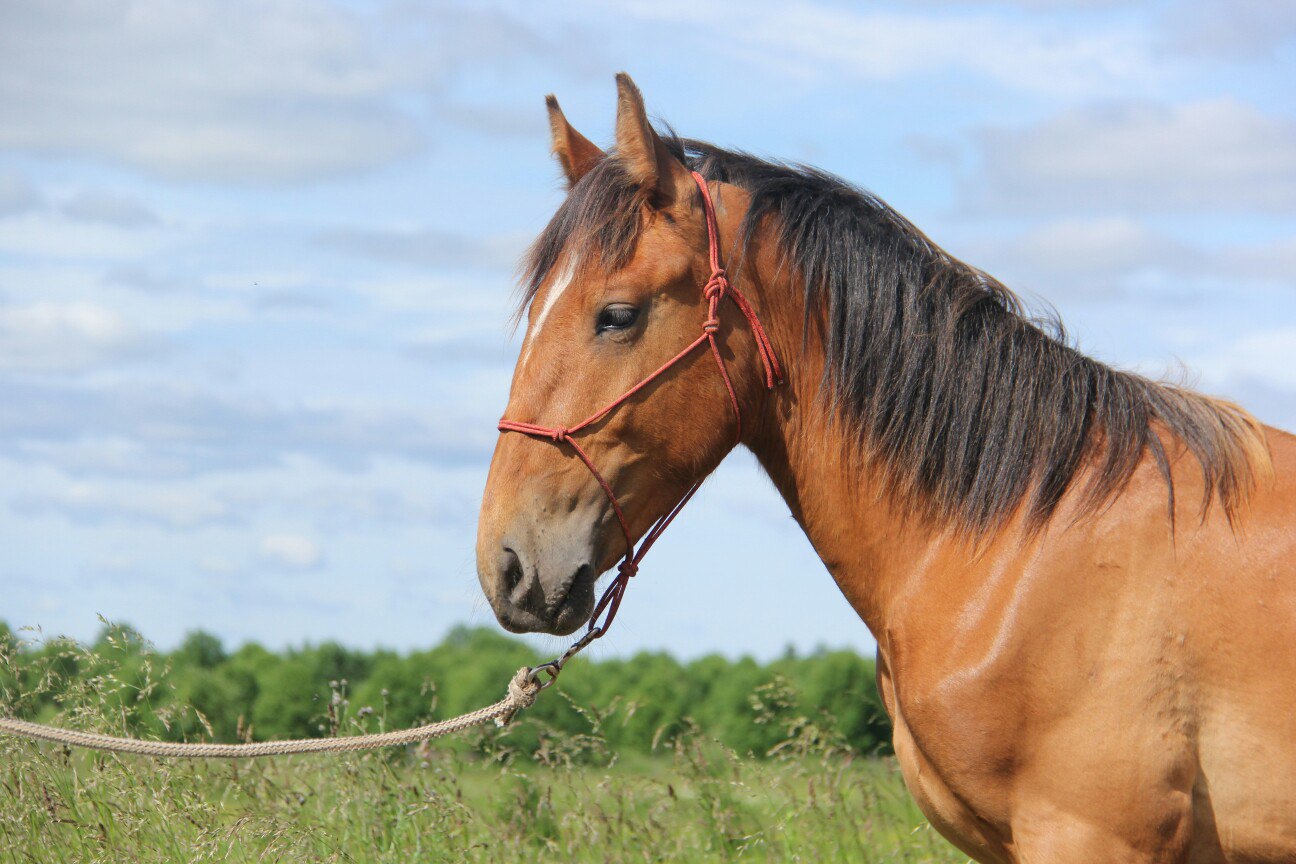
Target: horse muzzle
(539, 584)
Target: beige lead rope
(522, 692)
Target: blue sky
(256, 264)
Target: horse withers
(1082, 582)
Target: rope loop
(717, 286)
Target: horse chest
(956, 778)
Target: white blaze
(560, 283)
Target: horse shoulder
(1023, 676)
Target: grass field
(535, 791)
(694, 802)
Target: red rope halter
(717, 287)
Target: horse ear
(576, 152)
(640, 149)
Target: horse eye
(618, 316)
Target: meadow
(567, 781)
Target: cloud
(427, 247)
(392, 494)
(177, 425)
(1274, 261)
(293, 551)
(1264, 355)
(17, 195)
(458, 349)
(1256, 370)
(1208, 156)
(236, 90)
(95, 503)
(103, 455)
(1268, 402)
(1111, 256)
(1099, 247)
(396, 494)
(139, 278)
(65, 338)
(1021, 53)
(1082, 257)
(106, 208)
(1039, 5)
(1232, 29)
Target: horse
(1082, 582)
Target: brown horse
(1082, 583)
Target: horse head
(619, 412)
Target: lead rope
(522, 691)
(528, 682)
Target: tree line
(201, 690)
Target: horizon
(31, 639)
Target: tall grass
(570, 797)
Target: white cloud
(1014, 53)
(816, 39)
(1235, 29)
(1215, 155)
(171, 507)
(294, 551)
(1273, 261)
(1109, 256)
(463, 347)
(104, 455)
(68, 337)
(426, 247)
(45, 233)
(1084, 258)
(227, 90)
(235, 90)
(1264, 355)
(1033, 4)
(17, 195)
(107, 208)
(1114, 243)
(177, 425)
(216, 565)
(441, 295)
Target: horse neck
(878, 552)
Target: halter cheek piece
(717, 288)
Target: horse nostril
(512, 571)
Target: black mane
(971, 408)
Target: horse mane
(972, 409)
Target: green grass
(696, 803)
(532, 792)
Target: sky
(257, 261)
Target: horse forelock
(601, 214)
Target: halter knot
(711, 325)
(628, 568)
(717, 286)
(560, 433)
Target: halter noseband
(717, 288)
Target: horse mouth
(572, 606)
(560, 614)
